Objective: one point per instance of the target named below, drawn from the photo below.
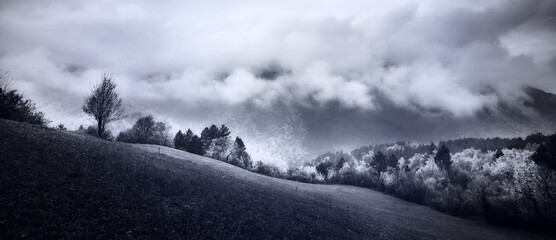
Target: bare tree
(104, 104)
(5, 81)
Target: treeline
(105, 105)
(215, 143)
(493, 144)
(407, 149)
(512, 185)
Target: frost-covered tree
(430, 148)
(506, 186)
(104, 104)
(216, 141)
(218, 148)
(238, 155)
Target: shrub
(13, 106)
(92, 130)
(268, 170)
(147, 131)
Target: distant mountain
(337, 128)
(543, 102)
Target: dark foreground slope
(56, 185)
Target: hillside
(57, 185)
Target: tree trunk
(229, 156)
(485, 206)
(99, 128)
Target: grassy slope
(65, 185)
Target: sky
(292, 78)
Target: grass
(63, 185)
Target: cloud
(193, 60)
(332, 54)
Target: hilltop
(58, 184)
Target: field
(64, 185)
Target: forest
(506, 181)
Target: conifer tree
(498, 154)
(179, 140)
(224, 131)
(195, 146)
(392, 161)
(340, 164)
(214, 132)
(379, 162)
(187, 138)
(443, 158)
(206, 138)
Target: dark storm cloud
(199, 61)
